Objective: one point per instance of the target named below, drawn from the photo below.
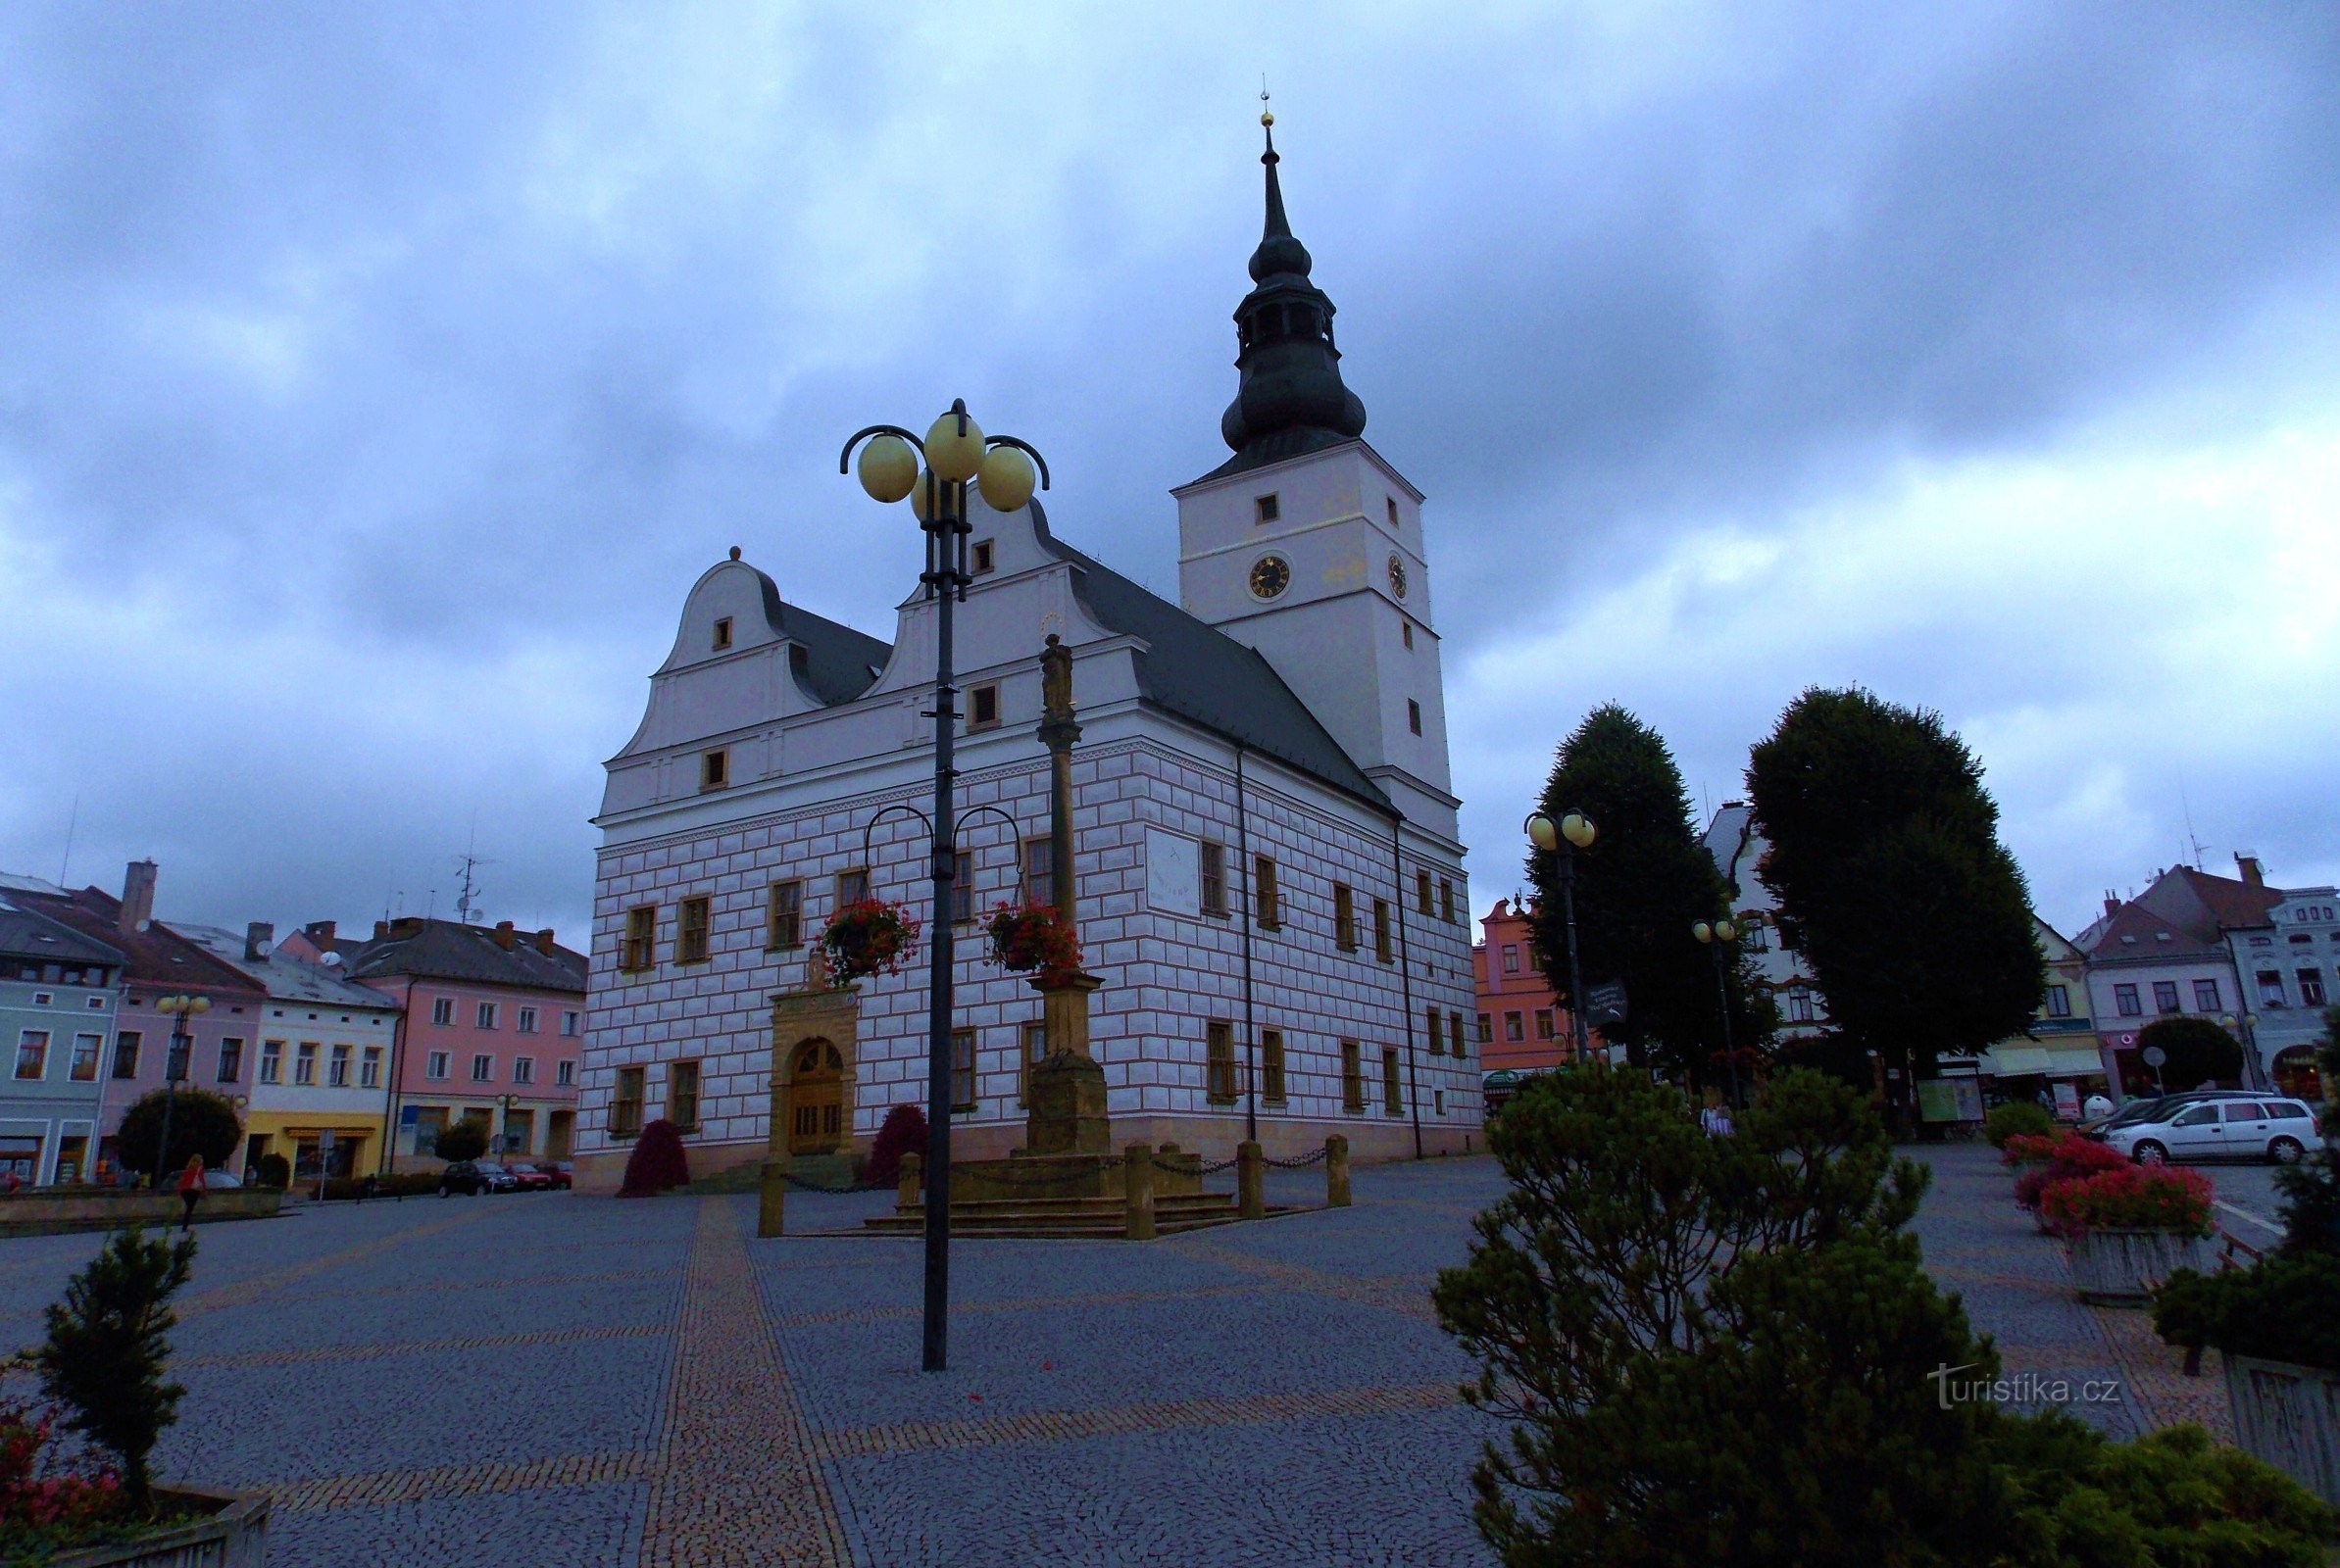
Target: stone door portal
(816, 1100)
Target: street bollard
(1251, 1180)
(1336, 1172)
(908, 1191)
(772, 1199)
(1137, 1176)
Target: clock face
(1270, 576)
(1397, 576)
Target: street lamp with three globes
(1572, 832)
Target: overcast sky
(374, 380)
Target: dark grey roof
(1199, 672)
(836, 663)
(284, 979)
(442, 950)
(27, 935)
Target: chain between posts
(1302, 1163)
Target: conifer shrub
(658, 1162)
(903, 1132)
(107, 1345)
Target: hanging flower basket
(868, 937)
(1033, 939)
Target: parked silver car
(2280, 1129)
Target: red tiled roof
(154, 956)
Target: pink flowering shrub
(2068, 1158)
(43, 1504)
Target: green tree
(1641, 885)
(1886, 860)
(2199, 1052)
(462, 1139)
(104, 1356)
(201, 1123)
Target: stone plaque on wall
(1173, 874)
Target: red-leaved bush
(657, 1162)
(2024, 1148)
(2069, 1159)
(903, 1132)
(2142, 1198)
(37, 1500)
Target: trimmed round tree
(461, 1139)
(201, 1123)
(657, 1162)
(2199, 1052)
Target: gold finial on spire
(1267, 115)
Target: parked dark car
(472, 1177)
(557, 1175)
(498, 1178)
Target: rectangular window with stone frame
(1272, 1067)
(1383, 949)
(1039, 872)
(626, 1103)
(1213, 877)
(1423, 898)
(1219, 1085)
(1268, 905)
(1446, 901)
(963, 1069)
(963, 888)
(1393, 1102)
(1344, 917)
(690, 931)
(683, 1095)
(1435, 1031)
(1351, 1076)
(641, 936)
(784, 917)
(852, 886)
(1454, 1033)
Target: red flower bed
(868, 937)
(2067, 1159)
(2132, 1198)
(40, 1504)
(1033, 939)
(2026, 1149)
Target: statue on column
(1064, 1091)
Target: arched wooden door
(816, 1100)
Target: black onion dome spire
(1290, 399)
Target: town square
(1049, 785)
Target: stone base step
(1091, 1218)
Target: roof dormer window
(722, 634)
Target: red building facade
(1521, 1025)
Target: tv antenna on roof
(468, 901)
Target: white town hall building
(1269, 880)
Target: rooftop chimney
(544, 942)
(381, 929)
(2111, 906)
(2253, 874)
(138, 896)
(321, 935)
(506, 937)
(260, 938)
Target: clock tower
(1308, 545)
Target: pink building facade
(1521, 1025)
(492, 1020)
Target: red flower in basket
(867, 936)
(1033, 939)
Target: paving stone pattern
(557, 1380)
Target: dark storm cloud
(397, 369)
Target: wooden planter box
(2289, 1416)
(235, 1535)
(2122, 1267)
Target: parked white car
(2279, 1130)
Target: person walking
(190, 1192)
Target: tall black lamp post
(1719, 935)
(956, 457)
(182, 1009)
(1565, 838)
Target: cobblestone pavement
(567, 1381)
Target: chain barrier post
(1251, 1191)
(771, 1199)
(906, 1190)
(1137, 1211)
(1336, 1172)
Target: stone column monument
(1065, 1092)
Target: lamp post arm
(846, 457)
(1025, 447)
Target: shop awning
(2044, 1062)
